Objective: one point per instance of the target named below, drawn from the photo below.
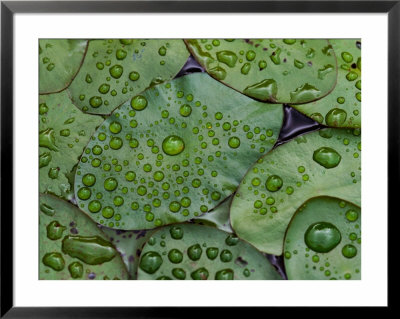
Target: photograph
(199, 159)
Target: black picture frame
(9, 8)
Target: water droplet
(200, 274)
(173, 145)
(212, 252)
(151, 262)
(95, 101)
(289, 41)
(179, 273)
(325, 70)
(349, 251)
(194, 252)
(43, 108)
(245, 68)
(275, 56)
(91, 250)
(347, 57)
(116, 143)
(44, 159)
(116, 71)
(265, 90)
(232, 240)
(304, 93)
(175, 256)
(46, 209)
(234, 142)
(227, 57)
(47, 139)
(120, 54)
(104, 88)
(185, 110)
(134, 76)
(226, 256)
(110, 184)
(84, 193)
(327, 157)
(298, 64)
(274, 183)
(139, 103)
(351, 76)
(94, 206)
(351, 215)
(224, 274)
(176, 232)
(50, 67)
(54, 260)
(55, 230)
(336, 117)
(218, 72)
(322, 237)
(89, 179)
(76, 269)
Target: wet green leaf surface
(274, 70)
(59, 62)
(72, 246)
(64, 131)
(342, 107)
(195, 252)
(173, 153)
(322, 163)
(115, 69)
(324, 241)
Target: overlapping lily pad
(218, 217)
(115, 69)
(342, 107)
(173, 153)
(195, 252)
(129, 243)
(273, 70)
(322, 163)
(63, 133)
(59, 62)
(324, 241)
(71, 245)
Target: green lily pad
(129, 243)
(342, 107)
(323, 241)
(218, 217)
(72, 246)
(197, 252)
(113, 70)
(64, 131)
(173, 153)
(273, 70)
(59, 61)
(322, 163)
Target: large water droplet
(274, 183)
(227, 57)
(212, 252)
(47, 139)
(322, 237)
(175, 256)
(44, 159)
(265, 90)
(224, 274)
(76, 269)
(200, 274)
(336, 117)
(234, 142)
(139, 103)
(179, 273)
(176, 232)
(54, 260)
(116, 71)
(349, 251)
(304, 93)
(173, 145)
(91, 250)
(327, 157)
(194, 252)
(55, 230)
(151, 262)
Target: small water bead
(322, 237)
(150, 217)
(139, 103)
(270, 201)
(353, 236)
(185, 202)
(54, 260)
(212, 253)
(185, 110)
(245, 68)
(273, 183)
(327, 157)
(107, 212)
(94, 206)
(53, 172)
(173, 145)
(76, 270)
(120, 54)
(301, 169)
(232, 240)
(118, 201)
(234, 142)
(84, 193)
(110, 184)
(336, 117)
(174, 206)
(55, 230)
(50, 67)
(150, 262)
(224, 274)
(194, 252)
(298, 64)
(349, 251)
(162, 51)
(351, 215)
(358, 96)
(262, 64)
(142, 190)
(116, 71)
(351, 76)
(200, 274)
